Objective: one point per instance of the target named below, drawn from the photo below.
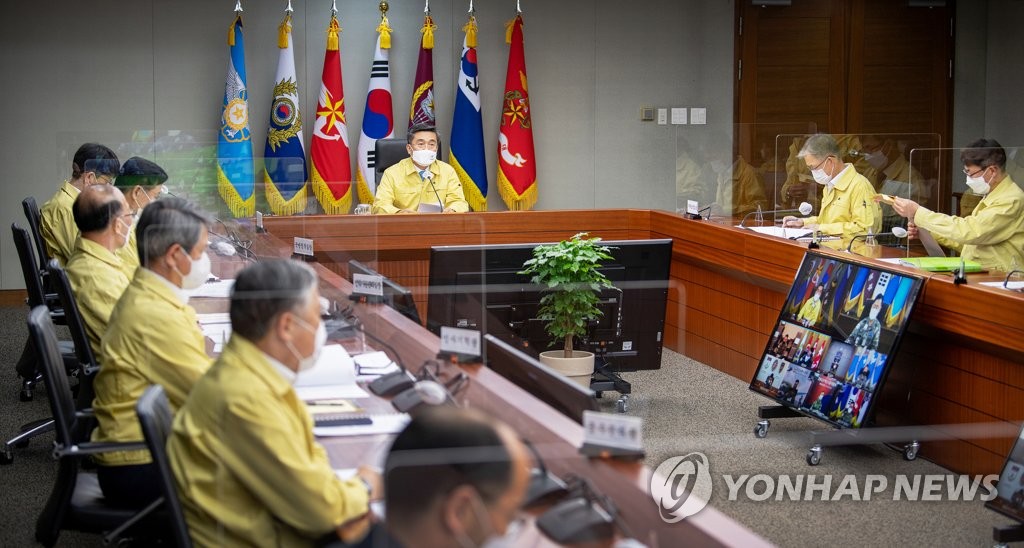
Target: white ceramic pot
(578, 368)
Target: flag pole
(289, 8)
(238, 6)
(518, 9)
(471, 11)
(426, 7)
(334, 8)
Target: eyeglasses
(103, 179)
(1006, 282)
(820, 163)
(969, 174)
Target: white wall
(99, 70)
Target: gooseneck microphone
(804, 209)
(429, 176)
(897, 231)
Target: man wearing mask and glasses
(94, 270)
(152, 338)
(245, 461)
(847, 204)
(142, 182)
(993, 234)
(454, 478)
(421, 182)
(93, 164)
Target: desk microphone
(897, 231)
(429, 176)
(804, 209)
(544, 486)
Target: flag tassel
(282, 32)
(332, 35)
(470, 29)
(385, 32)
(428, 32)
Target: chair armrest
(95, 448)
(86, 413)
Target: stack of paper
(218, 289)
(371, 365)
(333, 376)
(217, 327)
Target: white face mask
(319, 340)
(820, 176)
(876, 159)
(873, 313)
(978, 185)
(424, 157)
(198, 275)
(127, 234)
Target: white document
(333, 376)
(1013, 284)
(780, 232)
(427, 207)
(382, 424)
(217, 327)
(374, 364)
(219, 289)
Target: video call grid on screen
(1009, 499)
(832, 345)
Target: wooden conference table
(555, 436)
(961, 362)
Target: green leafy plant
(569, 272)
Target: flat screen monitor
(395, 295)
(1009, 499)
(835, 339)
(544, 383)
(479, 287)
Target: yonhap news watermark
(683, 485)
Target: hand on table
(790, 221)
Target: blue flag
(284, 157)
(467, 144)
(234, 146)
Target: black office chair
(388, 152)
(76, 502)
(86, 364)
(33, 217)
(155, 417)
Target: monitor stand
(605, 378)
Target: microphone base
(391, 384)
(694, 216)
(543, 488)
(813, 245)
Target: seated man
(93, 164)
(242, 449)
(848, 207)
(142, 182)
(94, 269)
(453, 477)
(420, 181)
(993, 235)
(152, 338)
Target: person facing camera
(245, 461)
(993, 234)
(421, 182)
(848, 207)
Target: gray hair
(165, 223)
(820, 146)
(265, 290)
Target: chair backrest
(58, 389)
(33, 218)
(388, 152)
(155, 418)
(83, 350)
(29, 268)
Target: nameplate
(613, 430)
(367, 284)
(692, 207)
(460, 341)
(259, 220)
(304, 246)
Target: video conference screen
(1010, 489)
(834, 339)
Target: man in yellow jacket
(421, 180)
(246, 464)
(848, 207)
(95, 271)
(993, 234)
(811, 310)
(93, 164)
(142, 182)
(153, 338)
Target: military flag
(284, 157)
(517, 169)
(330, 168)
(421, 111)
(235, 174)
(378, 118)
(467, 144)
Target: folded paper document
(940, 264)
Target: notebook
(940, 264)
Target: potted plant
(568, 270)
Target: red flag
(517, 169)
(331, 168)
(422, 109)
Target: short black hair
(984, 153)
(165, 223)
(417, 128)
(265, 290)
(441, 449)
(96, 158)
(95, 215)
(137, 171)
